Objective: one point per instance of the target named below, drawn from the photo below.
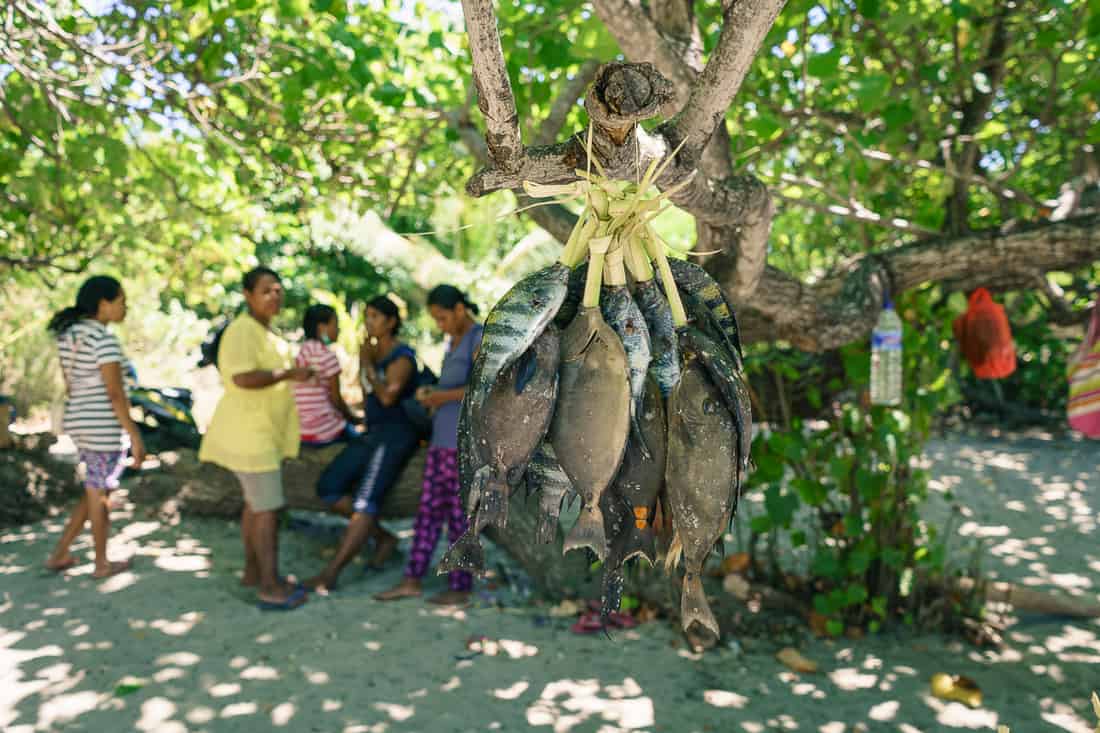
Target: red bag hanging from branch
(985, 337)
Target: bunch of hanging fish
(624, 395)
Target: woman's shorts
(263, 492)
(102, 469)
(367, 468)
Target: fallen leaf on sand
(796, 662)
(1096, 704)
(736, 586)
(956, 688)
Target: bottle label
(887, 340)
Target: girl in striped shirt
(323, 416)
(97, 412)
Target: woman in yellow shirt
(255, 426)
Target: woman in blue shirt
(354, 484)
(441, 500)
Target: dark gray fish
(703, 319)
(625, 318)
(699, 479)
(617, 523)
(731, 384)
(592, 421)
(640, 479)
(698, 282)
(546, 478)
(499, 441)
(513, 325)
(513, 421)
(663, 346)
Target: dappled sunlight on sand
(175, 644)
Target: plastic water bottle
(886, 358)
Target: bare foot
(383, 551)
(60, 565)
(113, 568)
(289, 583)
(451, 598)
(407, 588)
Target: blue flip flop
(295, 600)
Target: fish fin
(675, 549)
(481, 476)
(465, 554)
(639, 543)
(694, 608)
(575, 347)
(526, 369)
(588, 532)
(494, 507)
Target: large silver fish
(592, 421)
(698, 479)
(512, 326)
(505, 432)
(694, 280)
(663, 346)
(625, 318)
(546, 478)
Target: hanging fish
(665, 366)
(699, 481)
(512, 326)
(641, 477)
(546, 478)
(592, 420)
(730, 381)
(510, 425)
(693, 279)
(700, 317)
(625, 318)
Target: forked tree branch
(494, 88)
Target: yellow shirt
(253, 430)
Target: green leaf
(826, 565)
(769, 468)
(869, 8)
(824, 65)
(780, 505)
(897, 115)
(760, 524)
(389, 94)
(870, 91)
(878, 606)
(858, 562)
(834, 627)
(857, 594)
(798, 538)
(853, 525)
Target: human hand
(422, 392)
(300, 374)
(432, 399)
(137, 448)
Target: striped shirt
(319, 419)
(89, 417)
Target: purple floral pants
(440, 502)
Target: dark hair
(95, 290)
(388, 308)
(316, 316)
(449, 297)
(252, 277)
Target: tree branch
(494, 88)
(745, 23)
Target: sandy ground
(175, 645)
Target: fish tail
(640, 543)
(694, 608)
(588, 532)
(465, 554)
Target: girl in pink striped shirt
(322, 413)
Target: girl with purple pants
(440, 501)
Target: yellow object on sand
(252, 430)
(795, 661)
(957, 688)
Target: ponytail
(94, 291)
(449, 297)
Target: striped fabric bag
(1084, 381)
